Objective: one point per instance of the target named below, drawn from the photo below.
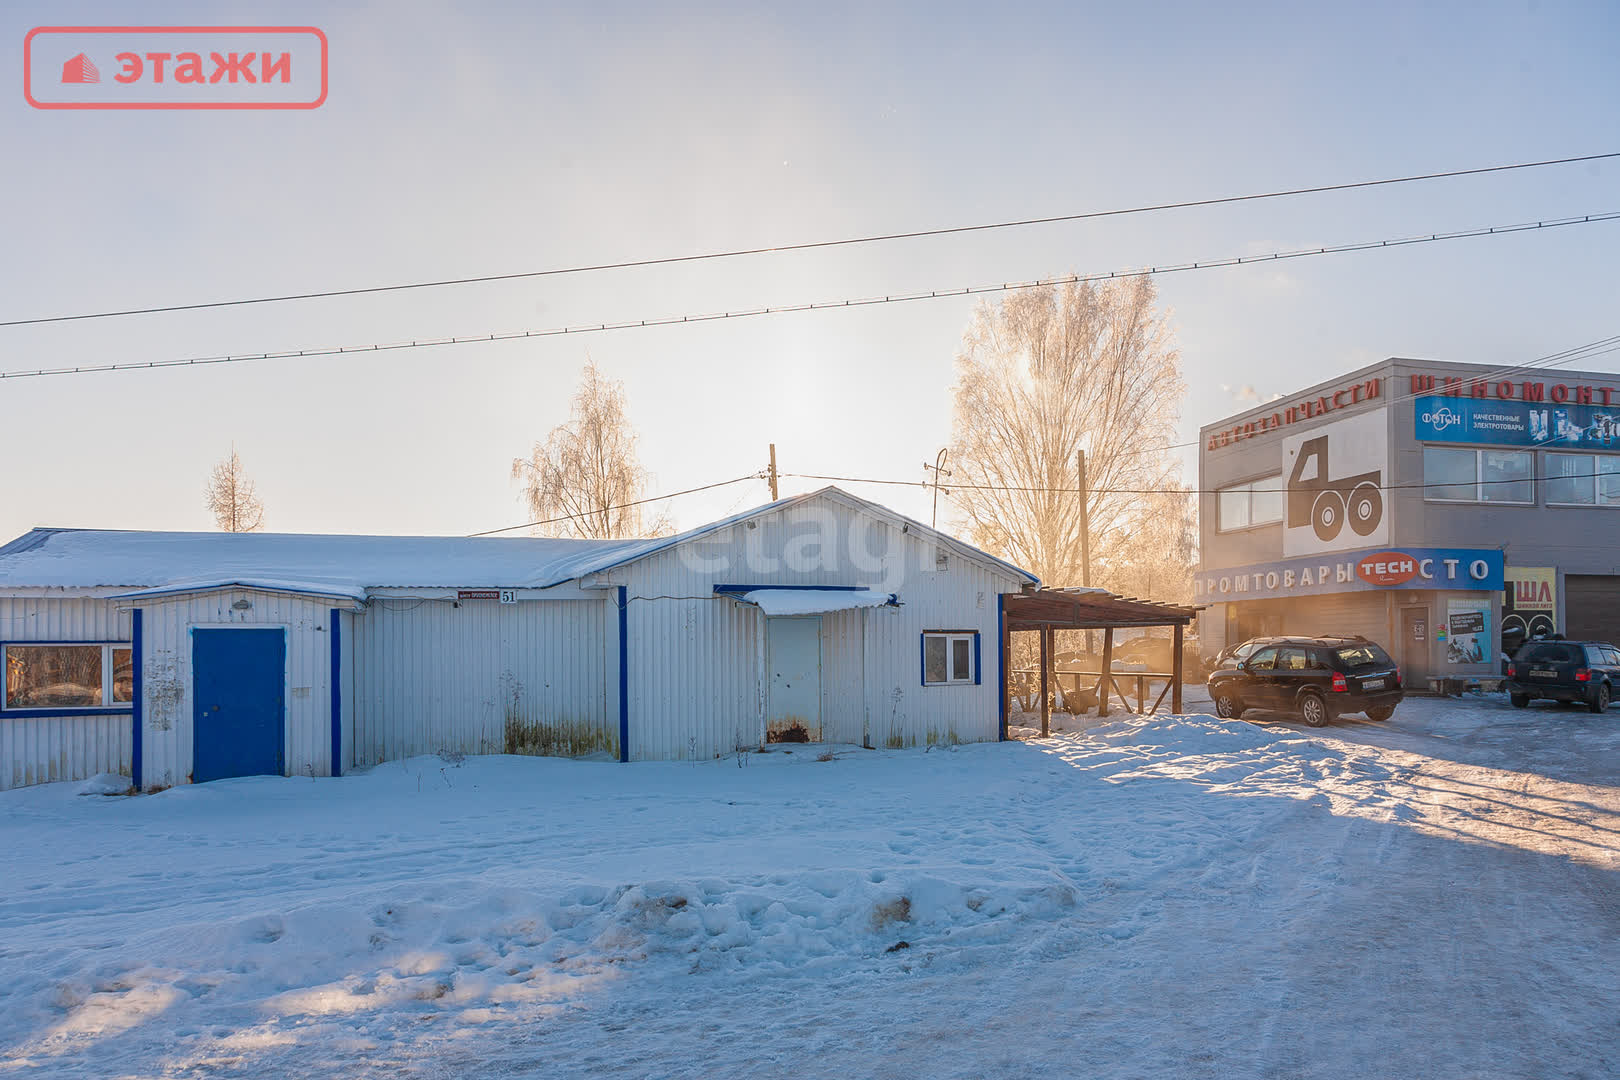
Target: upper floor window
(1487, 476)
(1251, 503)
(1583, 480)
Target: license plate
(1372, 684)
(1542, 673)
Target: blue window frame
(950, 657)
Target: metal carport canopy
(1089, 609)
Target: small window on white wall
(950, 657)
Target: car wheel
(1382, 713)
(1313, 710)
(1519, 700)
(1601, 701)
(1228, 707)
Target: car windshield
(1548, 652)
(1354, 656)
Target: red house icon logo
(80, 70)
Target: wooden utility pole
(939, 470)
(1085, 525)
(774, 495)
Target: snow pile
(105, 784)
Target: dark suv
(1584, 671)
(1317, 678)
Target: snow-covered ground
(1435, 896)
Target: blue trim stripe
(977, 680)
(1001, 654)
(137, 661)
(70, 641)
(922, 658)
(86, 710)
(337, 692)
(624, 675)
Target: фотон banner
(1516, 423)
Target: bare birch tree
(230, 497)
(1049, 372)
(587, 470)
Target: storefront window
(1507, 476)
(1450, 474)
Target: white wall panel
(166, 735)
(482, 677)
(43, 750)
(695, 658)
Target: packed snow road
(1435, 896)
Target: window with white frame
(67, 675)
(1251, 503)
(1582, 480)
(949, 656)
(1488, 476)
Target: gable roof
(157, 563)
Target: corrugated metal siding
(695, 659)
(350, 622)
(482, 678)
(167, 678)
(42, 750)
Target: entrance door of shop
(1414, 648)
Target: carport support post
(1107, 675)
(1046, 676)
(1175, 686)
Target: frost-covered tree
(1049, 372)
(230, 497)
(587, 471)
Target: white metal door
(793, 671)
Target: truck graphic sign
(1335, 479)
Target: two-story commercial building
(1444, 510)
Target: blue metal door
(238, 713)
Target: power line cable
(621, 506)
(854, 302)
(1032, 489)
(811, 245)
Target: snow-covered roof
(815, 601)
(158, 563)
(293, 562)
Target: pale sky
(491, 138)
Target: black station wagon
(1316, 678)
(1566, 671)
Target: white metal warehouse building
(181, 657)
